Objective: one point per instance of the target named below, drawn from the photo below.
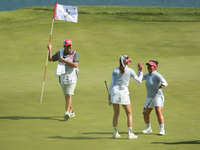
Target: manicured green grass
(102, 34)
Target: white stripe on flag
(66, 13)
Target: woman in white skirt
(119, 93)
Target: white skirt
(120, 95)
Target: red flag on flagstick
(61, 12)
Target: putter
(109, 103)
(150, 101)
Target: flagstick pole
(46, 63)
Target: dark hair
(122, 71)
(156, 62)
(121, 67)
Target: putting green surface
(168, 35)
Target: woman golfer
(119, 93)
(155, 96)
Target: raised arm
(139, 77)
(49, 46)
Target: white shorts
(120, 95)
(68, 88)
(157, 101)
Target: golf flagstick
(109, 103)
(150, 101)
(46, 64)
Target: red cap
(127, 60)
(152, 64)
(67, 42)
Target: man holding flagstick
(67, 71)
(68, 59)
(61, 12)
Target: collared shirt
(153, 82)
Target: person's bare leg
(116, 114)
(68, 105)
(159, 114)
(146, 115)
(147, 120)
(116, 109)
(128, 110)
(68, 99)
(160, 117)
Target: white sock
(162, 126)
(114, 129)
(129, 129)
(148, 125)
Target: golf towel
(61, 66)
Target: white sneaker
(72, 114)
(67, 115)
(116, 135)
(132, 136)
(147, 130)
(162, 132)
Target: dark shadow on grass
(24, 117)
(78, 138)
(122, 133)
(175, 143)
(140, 133)
(98, 133)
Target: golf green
(103, 33)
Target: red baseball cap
(67, 42)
